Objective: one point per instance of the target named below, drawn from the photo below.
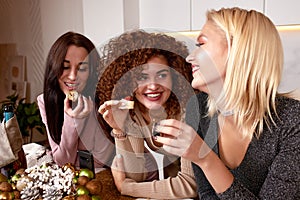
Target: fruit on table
(84, 197)
(94, 186)
(82, 180)
(15, 178)
(7, 195)
(69, 197)
(75, 180)
(3, 178)
(17, 194)
(86, 172)
(82, 183)
(81, 190)
(5, 187)
(95, 197)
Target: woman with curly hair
(150, 70)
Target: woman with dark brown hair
(149, 70)
(72, 65)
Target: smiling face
(154, 83)
(76, 70)
(209, 59)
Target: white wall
(20, 24)
(35, 24)
(291, 73)
(58, 17)
(283, 12)
(165, 15)
(199, 8)
(102, 19)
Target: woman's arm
(283, 178)
(181, 186)
(132, 150)
(66, 150)
(93, 139)
(185, 142)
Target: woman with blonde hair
(243, 139)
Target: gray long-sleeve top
(271, 166)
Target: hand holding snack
(114, 112)
(77, 105)
(73, 95)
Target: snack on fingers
(73, 95)
(126, 104)
(122, 104)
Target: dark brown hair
(53, 95)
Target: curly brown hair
(123, 56)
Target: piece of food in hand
(122, 104)
(73, 95)
(126, 104)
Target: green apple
(75, 180)
(86, 172)
(81, 190)
(94, 197)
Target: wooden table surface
(109, 190)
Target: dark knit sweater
(271, 166)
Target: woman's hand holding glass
(82, 109)
(182, 140)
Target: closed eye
(199, 44)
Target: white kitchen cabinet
(199, 8)
(102, 19)
(283, 12)
(165, 15)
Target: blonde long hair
(254, 67)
